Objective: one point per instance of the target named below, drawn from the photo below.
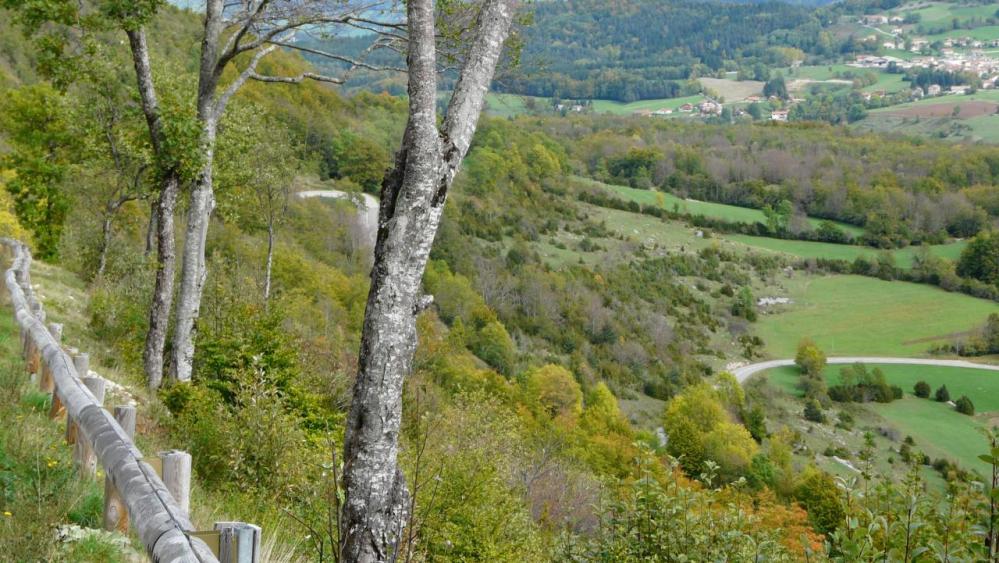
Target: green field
(619, 108)
(855, 315)
(733, 213)
(809, 249)
(733, 90)
(507, 105)
(938, 429)
(983, 33)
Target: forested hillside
(569, 398)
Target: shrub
(943, 395)
(810, 359)
(813, 411)
(965, 406)
(922, 389)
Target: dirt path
(745, 372)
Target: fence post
(115, 511)
(84, 450)
(45, 382)
(239, 542)
(176, 474)
(82, 364)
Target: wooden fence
(150, 494)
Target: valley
(586, 281)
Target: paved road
(743, 373)
(367, 209)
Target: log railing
(152, 495)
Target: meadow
(854, 315)
(809, 249)
(733, 213)
(939, 430)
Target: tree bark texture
(412, 203)
(159, 310)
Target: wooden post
(176, 474)
(115, 511)
(84, 451)
(239, 542)
(45, 382)
(82, 364)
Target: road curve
(367, 209)
(743, 373)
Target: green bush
(942, 394)
(965, 406)
(813, 411)
(922, 389)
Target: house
(933, 90)
(779, 115)
(917, 93)
(754, 99)
(875, 20)
(708, 107)
(687, 107)
(896, 19)
(662, 112)
(897, 31)
(959, 89)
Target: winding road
(745, 372)
(367, 209)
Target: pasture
(809, 249)
(938, 429)
(733, 213)
(853, 315)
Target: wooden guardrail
(152, 495)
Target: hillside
(593, 280)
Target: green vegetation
(910, 317)
(810, 249)
(941, 431)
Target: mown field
(939, 430)
(855, 315)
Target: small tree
(965, 406)
(922, 389)
(810, 359)
(943, 395)
(813, 411)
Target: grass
(938, 429)
(733, 90)
(809, 249)
(39, 488)
(854, 315)
(620, 108)
(731, 213)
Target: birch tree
(239, 35)
(412, 202)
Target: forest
(521, 434)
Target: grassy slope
(938, 429)
(732, 213)
(40, 489)
(66, 301)
(809, 249)
(854, 315)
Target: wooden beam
(115, 511)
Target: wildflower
(7, 514)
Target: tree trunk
(270, 262)
(412, 203)
(102, 261)
(151, 227)
(193, 268)
(159, 310)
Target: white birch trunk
(412, 203)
